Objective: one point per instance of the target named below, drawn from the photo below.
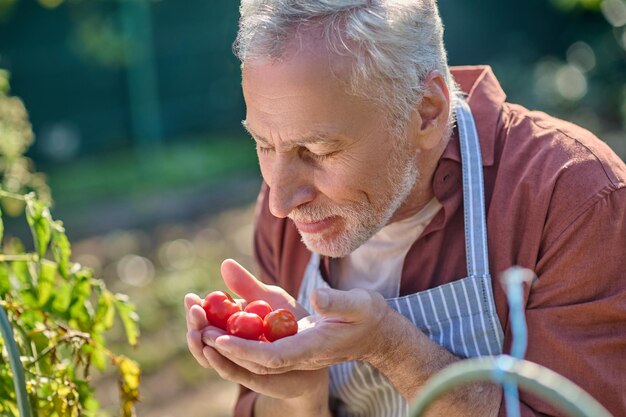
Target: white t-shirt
(377, 264)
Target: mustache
(310, 214)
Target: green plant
(57, 310)
(16, 136)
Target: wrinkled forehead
(308, 50)
(295, 94)
(307, 68)
(304, 92)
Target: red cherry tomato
(246, 325)
(259, 307)
(219, 306)
(278, 324)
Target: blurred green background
(136, 107)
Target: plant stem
(21, 257)
(14, 196)
(66, 338)
(19, 381)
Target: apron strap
(473, 193)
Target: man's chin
(326, 250)
(333, 247)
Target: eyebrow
(311, 138)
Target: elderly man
(395, 191)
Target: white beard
(360, 221)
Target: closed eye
(319, 157)
(263, 149)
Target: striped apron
(460, 316)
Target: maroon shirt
(556, 203)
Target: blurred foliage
(589, 85)
(58, 310)
(567, 5)
(98, 37)
(156, 267)
(192, 162)
(16, 136)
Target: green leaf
(81, 309)
(38, 218)
(96, 352)
(5, 281)
(22, 282)
(129, 317)
(82, 286)
(105, 311)
(29, 298)
(1, 228)
(30, 319)
(85, 396)
(61, 249)
(62, 299)
(21, 272)
(4, 80)
(80, 313)
(45, 283)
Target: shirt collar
(485, 98)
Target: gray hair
(395, 44)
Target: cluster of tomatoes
(258, 321)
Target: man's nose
(290, 186)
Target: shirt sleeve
(576, 309)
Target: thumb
(350, 305)
(242, 282)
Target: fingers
(194, 338)
(196, 318)
(191, 299)
(353, 305)
(285, 385)
(240, 356)
(228, 370)
(196, 321)
(208, 357)
(195, 345)
(242, 282)
(209, 338)
(269, 358)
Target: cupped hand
(243, 283)
(349, 325)
(288, 385)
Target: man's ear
(428, 122)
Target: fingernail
(322, 299)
